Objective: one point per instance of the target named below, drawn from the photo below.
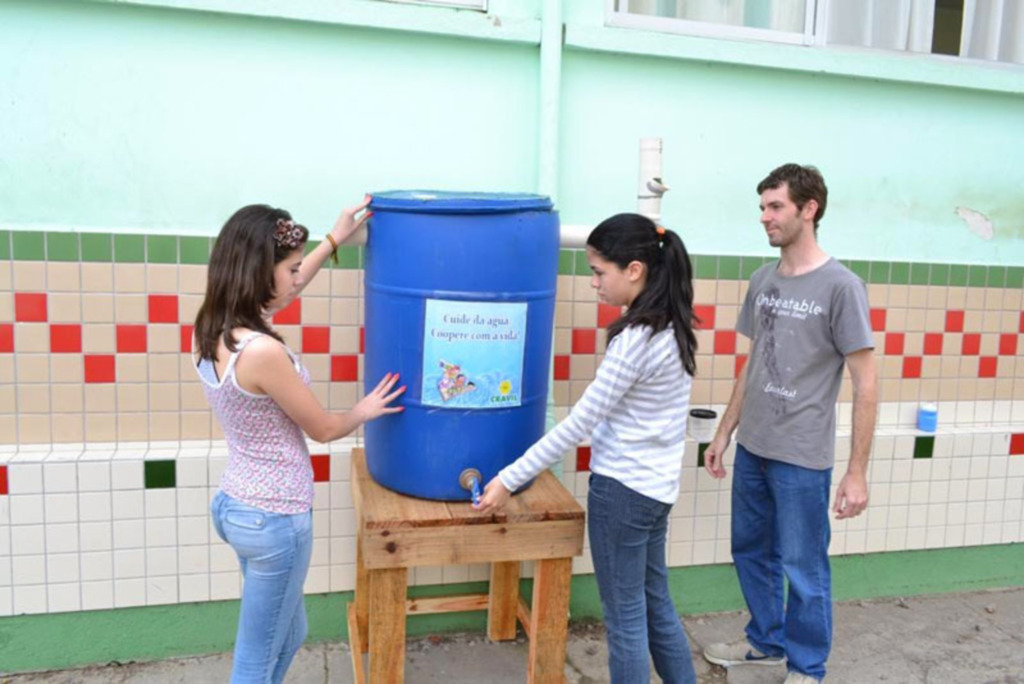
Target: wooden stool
(396, 532)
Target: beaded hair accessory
(660, 230)
(288, 235)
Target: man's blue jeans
(780, 528)
(274, 551)
(627, 542)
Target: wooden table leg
(549, 621)
(502, 600)
(362, 599)
(387, 628)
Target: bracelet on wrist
(334, 249)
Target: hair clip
(288, 235)
(661, 230)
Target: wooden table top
(380, 508)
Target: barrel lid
(446, 202)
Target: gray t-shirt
(802, 328)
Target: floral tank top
(268, 461)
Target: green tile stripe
(924, 447)
(190, 249)
(160, 474)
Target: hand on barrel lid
(495, 497)
(348, 222)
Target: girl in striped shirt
(634, 413)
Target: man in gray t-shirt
(806, 316)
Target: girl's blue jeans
(274, 551)
(780, 529)
(627, 541)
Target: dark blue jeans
(780, 528)
(627, 542)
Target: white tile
(193, 530)
(321, 552)
(899, 493)
(917, 515)
(129, 563)
(6, 601)
(225, 586)
(6, 578)
(341, 495)
(901, 470)
(994, 511)
(26, 509)
(62, 567)
(979, 467)
(681, 530)
(916, 538)
(343, 577)
(318, 580)
(943, 446)
(343, 523)
(30, 599)
(974, 534)
(898, 516)
(343, 550)
(191, 472)
(97, 595)
(223, 558)
(161, 532)
(129, 593)
(424, 576)
(703, 552)
(127, 504)
(919, 492)
(1011, 532)
(938, 492)
(881, 471)
(705, 528)
(941, 469)
(192, 501)
(162, 561)
(24, 478)
(896, 539)
(61, 508)
(982, 445)
(993, 533)
(217, 464)
(28, 540)
(125, 474)
(193, 588)
(62, 538)
(321, 495)
(976, 490)
(975, 512)
(707, 503)
(160, 503)
(998, 466)
(97, 565)
(94, 476)
(955, 535)
(28, 570)
(935, 537)
(60, 477)
(996, 489)
(454, 574)
(193, 560)
(129, 534)
(874, 541)
(5, 511)
(680, 554)
(956, 514)
(97, 536)
(321, 524)
(94, 506)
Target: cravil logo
(504, 399)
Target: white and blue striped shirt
(635, 414)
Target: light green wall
(165, 116)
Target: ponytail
(667, 297)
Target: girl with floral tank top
(260, 394)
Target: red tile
(971, 345)
(741, 361)
(911, 366)
(131, 339)
(562, 367)
(706, 314)
(607, 314)
(582, 459)
(932, 344)
(6, 338)
(725, 341)
(66, 338)
(584, 341)
(290, 315)
(1017, 444)
(954, 321)
(316, 339)
(99, 368)
(186, 338)
(163, 308)
(30, 307)
(878, 319)
(321, 467)
(1008, 344)
(894, 344)
(1021, 329)
(3, 480)
(987, 366)
(362, 340)
(345, 368)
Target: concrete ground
(969, 638)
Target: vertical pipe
(651, 187)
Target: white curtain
(904, 25)
(993, 30)
(780, 15)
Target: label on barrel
(473, 354)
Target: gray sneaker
(738, 653)
(800, 678)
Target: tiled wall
(109, 454)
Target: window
(467, 4)
(978, 29)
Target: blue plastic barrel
(460, 300)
